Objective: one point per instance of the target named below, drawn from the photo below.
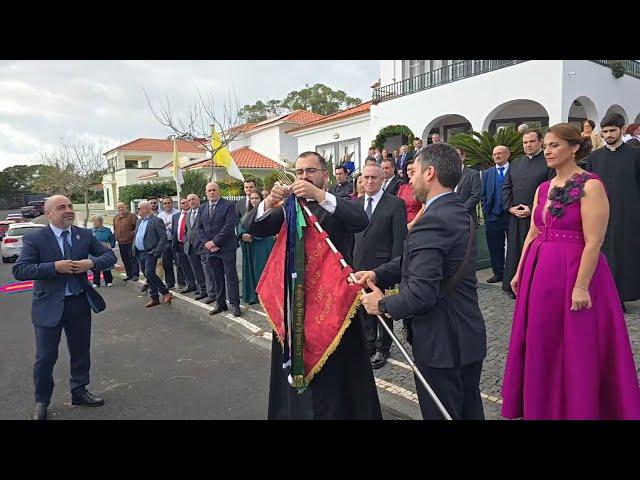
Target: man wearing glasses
(344, 388)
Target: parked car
(4, 226)
(33, 209)
(16, 217)
(11, 245)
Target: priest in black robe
(618, 165)
(345, 388)
(523, 177)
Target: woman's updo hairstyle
(572, 136)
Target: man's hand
(525, 212)
(64, 266)
(365, 275)
(80, 266)
(276, 197)
(214, 249)
(246, 238)
(307, 190)
(210, 245)
(370, 300)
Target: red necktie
(182, 227)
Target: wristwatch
(382, 307)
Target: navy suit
(51, 310)
(496, 219)
(220, 227)
(155, 242)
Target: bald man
(217, 220)
(124, 228)
(57, 259)
(495, 215)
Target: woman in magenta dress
(569, 353)
(411, 205)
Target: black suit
(178, 248)
(242, 207)
(393, 186)
(377, 244)
(469, 189)
(344, 388)
(220, 227)
(343, 191)
(402, 162)
(449, 339)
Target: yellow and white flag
(224, 158)
(177, 170)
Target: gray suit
(193, 251)
(469, 190)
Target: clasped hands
(211, 246)
(300, 188)
(74, 266)
(520, 211)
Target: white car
(11, 245)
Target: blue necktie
(74, 284)
(501, 171)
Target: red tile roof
(349, 112)
(159, 145)
(303, 116)
(244, 158)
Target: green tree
(146, 190)
(260, 111)
(195, 181)
(319, 99)
(478, 147)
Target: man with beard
(522, 179)
(438, 298)
(618, 165)
(344, 388)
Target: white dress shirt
(376, 199)
(329, 205)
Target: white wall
(267, 142)
(387, 73)
(288, 144)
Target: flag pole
(381, 321)
(175, 173)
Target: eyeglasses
(308, 171)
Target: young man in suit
(496, 217)
(56, 257)
(150, 241)
(217, 222)
(179, 227)
(391, 182)
(243, 205)
(469, 187)
(193, 248)
(343, 188)
(379, 243)
(440, 302)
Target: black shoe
(182, 285)
(200, 296)
(144, 288)
(188, 290)
(219, 308)
(209, 300)
(135, 279)
(495, 279)
(235, 310)
(511, 295)
(624, 308)
(85, 397)
(39, 411)
(126, 279)
(379, 359)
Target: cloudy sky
(42, 101)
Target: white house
(451, 96)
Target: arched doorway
(446, 126)
(514, 113)
(392, 137)
(581, 109)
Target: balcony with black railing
(469, 68)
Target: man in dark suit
(445, 325)
(469, 187)
(379, 243)
(217, 222)
(391, 182)
(57, 258)
(496, 217)
(243, 205)
(344, 388)
(150, 241)
(193, 248)
(403, 162)
(343, 188)
(179, 227)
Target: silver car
(11, 245)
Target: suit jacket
(175, 222)
(192, 243)
(448, 330)
(221, 226)
(393, 186)
(348, 218)
(487, 195)
(242, 207)
(402, 165)
(343, 191)
(155, 236)
(469, 189)
(383, 238)
(40, 251)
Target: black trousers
(185, 266)
(76, 322)
(377, 338)
(108, 276)
(223, 267)
(497, 229)
(198, 273)
(156, 286)
(168, 259)
(130, 262)
(458, 389)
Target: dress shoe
(208, 300)
(85, 397)
(624, 308)
(495, 279)
(39, 411)
(235, 310)
(378, 360)
(167, 297)
(188, 290)
(135, 279)
(219, 308)
(200, 296)
(511, 295)
(152, 303)
(144, 288)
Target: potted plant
(617, 68)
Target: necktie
(192, 217)
(74, 284)
(182, 227)
(212, 207)
(369, 210)
(384, 185)
(501, 170)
